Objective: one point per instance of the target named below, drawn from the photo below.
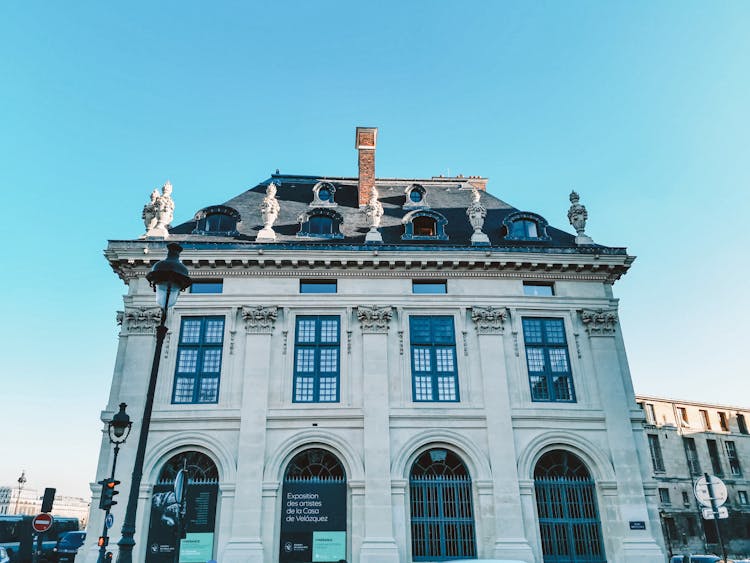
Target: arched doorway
(313, 508)
(568, 514)
(188, 527)
(442, 515)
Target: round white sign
(701, 491)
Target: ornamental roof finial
(577, 215)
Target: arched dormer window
(415, 196)
(523, 225)
(424, 224)
(216, 220)
(320, 223)
(323, 194)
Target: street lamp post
(118, 430)
(21, 483)
(168, 278)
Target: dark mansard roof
(448, 197)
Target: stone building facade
(687, 439)
(29, 502)
(377, 369)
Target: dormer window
(415, 196)
(323, 195)
(523, 225)
(216, 220)
(320, 223)
(424, 224)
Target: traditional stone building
(687, 439)
(377, 369)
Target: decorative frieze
(489, 320)
(139, 320)
(599, 322)
(259, 319)
(373, 318)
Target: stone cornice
(131, 260)
(374, 319)
(259, 319)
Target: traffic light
(103, 541)
(106, 501)
(48, 500)
(108, 556)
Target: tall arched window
(442, 516)
(195, 515)
(568, 513)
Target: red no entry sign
(42, 522)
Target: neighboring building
(687, 439)
(30, 502)
(385, 370)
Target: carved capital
(599, 322)
(259, 320)
(489, 320)
(139, 320)
(374, 319)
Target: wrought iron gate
(569, 520)
(442, 518)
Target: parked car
(695, 559)
(4, 558)
(67, 546)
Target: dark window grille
(315, 464)
(548, 361)
(200, 467)
(433, 359)
(442, 517)
(656, 457)
(316, 360)
(569, 522)
(199, 355)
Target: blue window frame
(317, 286)
(429, 286)
(199, 354)
(316, 359)
(216, 286)
(547, 360)
(433, 358)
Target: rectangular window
(316, 359)
(713, 453)
(547, 360)
(429, 286)
(741, 423)
(664, 496)
(656, 458)
(683, 416)
(685, 498)
(734, 461)
(706, 420)
(742, 497)
(317, 286)
(723, 422)
(213, 286)
(433, 359)
(650, 414)
(538, 289)
(691, 455)
(199, 352)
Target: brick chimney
(365, 142)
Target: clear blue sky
(643, 107)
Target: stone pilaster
(378, 544)
(607, 365)
(246, 544)
(509, 533)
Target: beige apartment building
(687, 439)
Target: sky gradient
(642, 107)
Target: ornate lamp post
(168, 278)
(118, 430)
(21, 483)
